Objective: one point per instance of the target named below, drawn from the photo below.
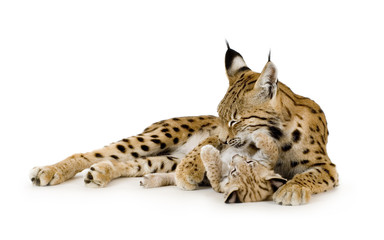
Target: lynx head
(246, 87)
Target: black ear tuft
(228, 47)
(269, 55)
(234, 62)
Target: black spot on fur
(176, 129)
(294, 164)
(190, 120)
(312, 140)
(125, 140)
(165, 124)
(170, 158)
(275, 132)
(174, 166)
(114, 157)
(286, 147)
(135, 154)
(304, 161)
(175, 140)
(306, 151)
(156, 141)
(191, 130)
(121, 148)
(130, 146)
(98, 155)
(163, 145)
(140, 139)
(185, 126)
(176, 119)
(138, 168)
(168, 135)
(154, 136)
(165, 130)
(145, 148)
(296, 136)
(149, 163)
(318, 164)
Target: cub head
(251, 181)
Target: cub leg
(320, 177)
(190, 171)
(101, 173)
(269, 151)
(210, 157)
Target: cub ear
(276, 181)
(232, 196)
(267, 81)
(234, 64)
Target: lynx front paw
(46, 176)
(292, 194)
(99, 175)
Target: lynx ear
(267, 82)
(276, 181)
(234, 64)
(232, 196)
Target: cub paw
(292, 194)
(99, 175)
(45, 176)
(209, 154)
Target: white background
(77, 75)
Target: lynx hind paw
(99, 175)
(45, 176)
(209, 154)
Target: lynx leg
(100, 174)
(61, 171)
(163, 136)
(319, 178)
